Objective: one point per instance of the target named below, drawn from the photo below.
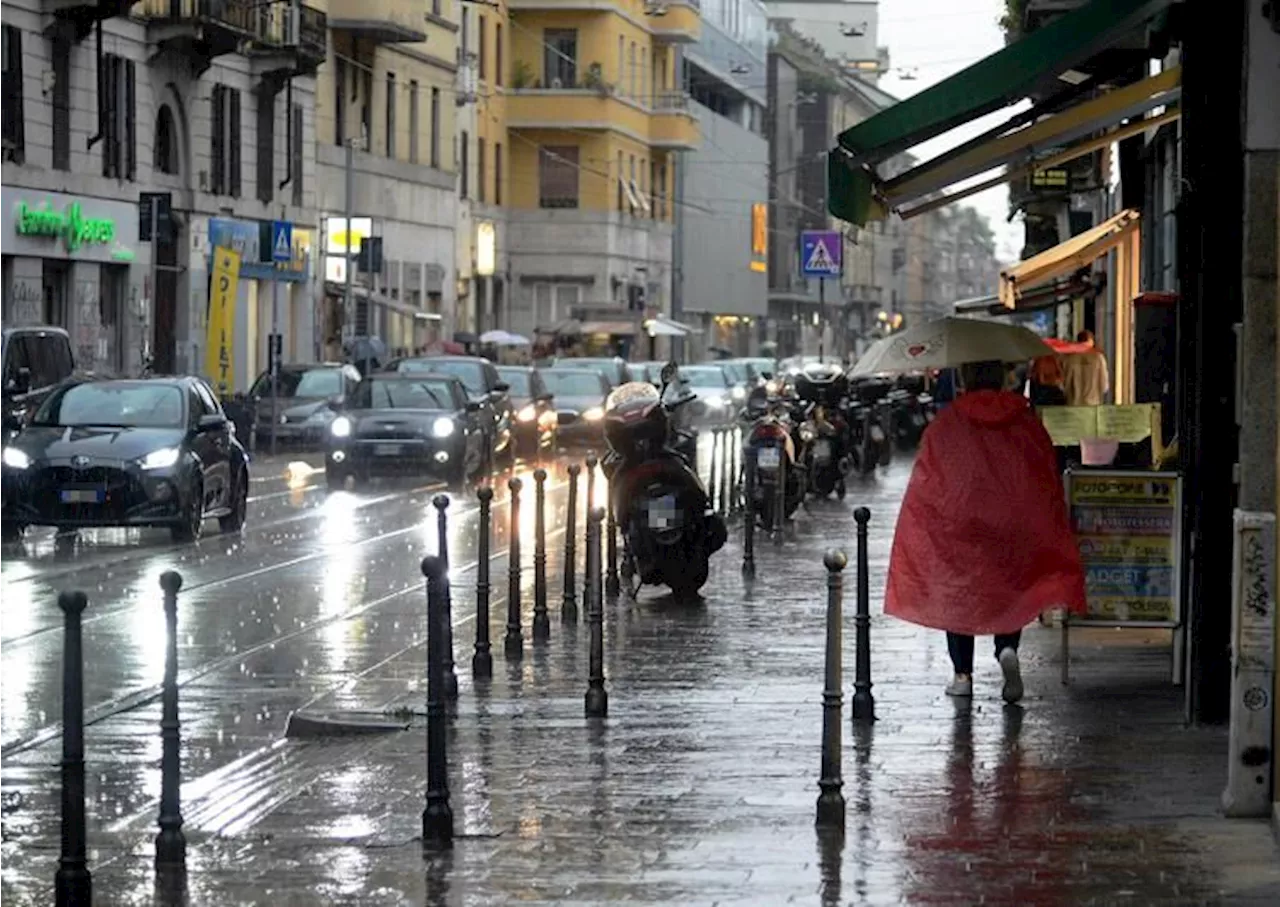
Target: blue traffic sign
(281, 240)
(821, 252)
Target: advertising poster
(219, 363)
(1127, 527)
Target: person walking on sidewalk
(983, 544)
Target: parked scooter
(869, 418)
(770, 442)
(911, 411)
(668, 529)
(824, 388)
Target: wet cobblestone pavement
(698, 789)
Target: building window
(413, 121)
(339, 101)
(558, 176)
(622, 198)
(662, 192)
(435, 127)
(631, 69)
(295, 155)
(61, 100)
(118, 110)
(464, 169)
(553, 302)
(436, 6)
(560, 57)
(621, 79)
(225, 150)
(482, 28)
(166, 142)
(366, 110)
(497, 53)
(480, 172)
(391, 115)
(497, 173)
(15, 143)
(266, 145)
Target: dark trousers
(960, 647)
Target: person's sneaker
(1012, 671)
(961, 687)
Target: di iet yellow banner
(219, 362)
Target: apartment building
(208, 104)
(387, 98)
(595, 120)
(487, 190)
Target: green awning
(991, 84)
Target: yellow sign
(760, 230)
(219, 357)
(1125, 423)
(1068, 425)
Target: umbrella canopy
(503, 338)
(948, 343)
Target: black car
(407, 424)
(34, 360)
(484, 386)
(144, 452)
(536, 420)
(303, 408)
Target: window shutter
(131, 120)
(266, 144)
(233, 131)
(218, 144)
(296, 152)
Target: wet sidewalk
(700, 786)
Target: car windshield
(739, 372)
(471, 374)
(400, 393)
(572, 384)
(703, 377)
(519, 380)
(123, 405)
(606, 367)
(314, 382)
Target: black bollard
(780, 499)
(513, 645)
(482, 660)
(711, 479)
(590, 465)
(569, 604)
(612, 586)
(437, 817)
(171, 843)
(831, 800)
(749, 517)
(597, 699)
(864, 704)
(541, 624)
(441, 503)
(72, 882)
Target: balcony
(84, 14)
(199, 30)
(677, 22)
(292, 40)
(673, 125)
(581, 108)
(380, 21)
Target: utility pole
(348, 305)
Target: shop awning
(1041, 297)
(666, 327)
(1066, 257)
(612, 328)
(1036, 62)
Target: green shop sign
(69, 224)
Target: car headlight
(595, 414)
(442, 427)
(807, 433)
(527, 414)
(771, 388)
(340, 427)
(160, 459)
(739, 393)
(16, 459)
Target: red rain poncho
(983, 545)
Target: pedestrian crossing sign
(820, 253)
(281, 240)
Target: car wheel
(234, 521)
(188, 530)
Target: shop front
(73, 262)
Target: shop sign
(70, 225)
(245, 237)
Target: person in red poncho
(983, 545)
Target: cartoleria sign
(56, 225)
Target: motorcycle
(869, 415)
(660, 504)
(770, 444)
(824, 387)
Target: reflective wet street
(699, 788)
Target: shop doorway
(164, 351)
(111, 309)
(56, 279)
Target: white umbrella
(948, 343)
(503, 338)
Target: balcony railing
(234, 15)
(297, 26)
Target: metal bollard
(437, 817)
(725, 459)
(864, 704)
(72, 882)
(569, 604)
(513, 645)
(171, 843)
(711, 479)
(749, 518)
(590, 465)
(441, 503)
(482, 660)
(831, 800)
(612, 586)
(541, 624)
(780, 500)
(735, 469)
(597, 699)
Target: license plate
(83, 495)
(822, 450)
(768, 458)
(387, 450)
(663, 513)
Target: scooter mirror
(668, 373)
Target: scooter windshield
(633, 392)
